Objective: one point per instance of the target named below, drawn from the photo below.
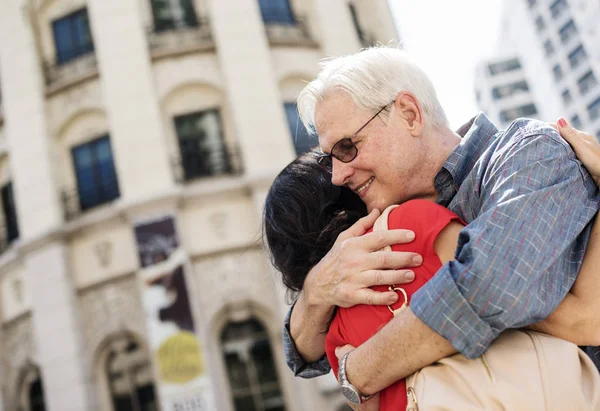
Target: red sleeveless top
(357, 324)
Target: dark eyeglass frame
(325, 160)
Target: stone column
(136, 129)
(246, 63)
(338, 35)
(55, 325)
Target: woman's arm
(576, 318)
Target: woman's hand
(585, 146)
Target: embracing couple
(433, 269)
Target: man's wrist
(350, 391)
(354, 374)
(312, 298)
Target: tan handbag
(522, 370)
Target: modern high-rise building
(502, 90)
(557, 43)
(138, 140)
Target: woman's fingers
(584, 145)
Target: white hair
(373, 78)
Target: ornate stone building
(112, 113)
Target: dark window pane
(244, 404)
(273, 400)
(168, 14)
(557, 72)
(303, 142)
(276, 11)
(557, 8)
(10, 213)
(63, 40)
(586, 82)
(203, 151)
(566, 96)
(539, 23)
(548, 48)
(594, 109)
(238, 374)
(504, 66)
(251, 367)
(72, 36)
(130, 377)
(263, 358)
(567, 31)
(189, 14)
(510, 89)
(577, 56)
(528, 110)
(36, 396)
(146, 398)
(96, 176)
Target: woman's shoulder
(418, 212)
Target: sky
(447, 38)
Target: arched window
(36, 396)
(250, 367)
(31, 397)
(129, 376)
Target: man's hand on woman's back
(355, 263)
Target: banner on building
(182, 379)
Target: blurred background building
(114, 113)
(547, 65)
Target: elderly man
(527, 200)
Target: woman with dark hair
(305, 213)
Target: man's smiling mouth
(365, 186)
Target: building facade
(557, 43)
(503, 91)
(116, 115)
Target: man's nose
(340, 172)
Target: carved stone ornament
(109, 309)
(103, 251)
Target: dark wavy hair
(303, 216)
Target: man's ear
(409, 112)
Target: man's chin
(379, 205)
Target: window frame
(274, 17)
(77, 50)
(102, 193)
(255, 389)
(227, 165)
(298, 130)
(11, 223)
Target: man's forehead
(333, 118)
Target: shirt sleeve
(517, 260)
(294, 360)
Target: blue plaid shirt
(528, 203)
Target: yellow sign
(180, 358)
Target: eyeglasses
(345, 150)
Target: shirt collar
(476, 137)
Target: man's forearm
(403, 346)
(308, 327)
